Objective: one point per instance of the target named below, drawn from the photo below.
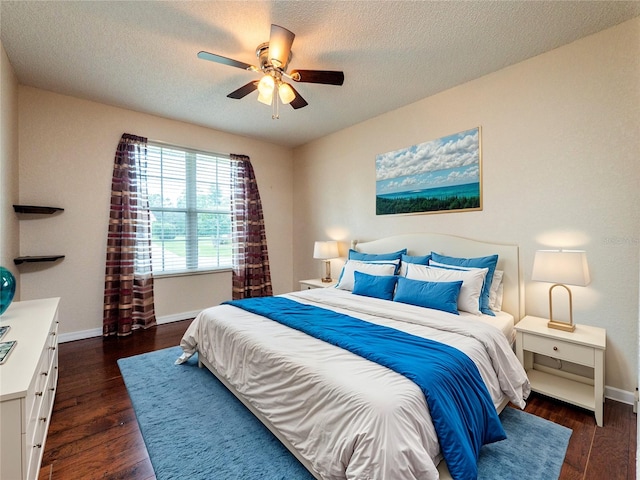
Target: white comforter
(349, 417)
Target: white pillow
(496, 291)
(497, 307)
(346, 280)
(472, 282)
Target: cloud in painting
(451, 160)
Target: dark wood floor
(94, 433)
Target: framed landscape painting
(439, 176)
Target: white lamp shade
(286, 93)
(266, 85)
(266, 99)
(326, 250)
(265, 89)
(561, 266)
(280, 42)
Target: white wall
(67, 146)
(9, 229)
(560, 144)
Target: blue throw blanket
(461, 408)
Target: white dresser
(28, 381)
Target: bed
(345, 416)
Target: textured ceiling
(142, 55)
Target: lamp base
(327, 272)
(567, 327)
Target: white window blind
(190, 203)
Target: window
(190, 204)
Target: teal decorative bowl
(7, 289)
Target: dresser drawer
(35, 447)
(32, 400)
(52, 341)
(37, 388)
(571, 352)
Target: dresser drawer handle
(52, 348)
(555, 349)
(44, 373)
(37, 445)
(43, 419)
(39, 394)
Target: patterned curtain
(251, 275)
(128, 286)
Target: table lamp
(326, 251)
(560, 267)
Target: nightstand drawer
(559, 349)
(316, 283)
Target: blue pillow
(488, 262)
(437, 295)
(421, 260)
(376, 286)
(373, 257)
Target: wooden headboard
(424, 243)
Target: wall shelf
(37, 259)
(36, 209)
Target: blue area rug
(195, 428)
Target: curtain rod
(195, 150)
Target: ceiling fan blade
(244, 90)
(224, 60)
(298, 102)
(280, 42)
(326, 77)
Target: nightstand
(316, 283)
(585, 346)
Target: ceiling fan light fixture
(266, 85)
(266, 99)
(274, 57)
(280, 43)
(286, 93)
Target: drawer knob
(44, 373)
(52, 348)
(555, 349)
(43, 419)
(37, 445)
(38, 394)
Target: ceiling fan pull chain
(276, 109)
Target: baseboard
(176, 317)
(81, 335)
(618, 395)
(97, 332)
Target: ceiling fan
(274, 57)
